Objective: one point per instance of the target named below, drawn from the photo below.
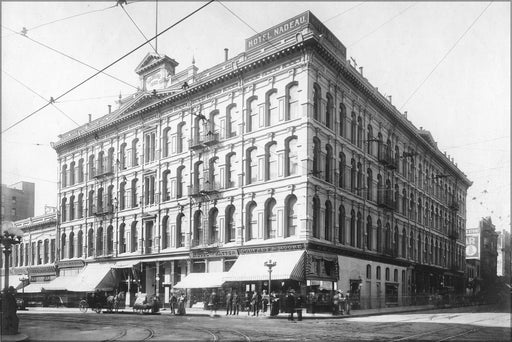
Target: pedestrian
(255, 302)
(247, 302)
(342, 303)
(236, 303)
(290, 304)
(173, 302)
(336, 303)
(348, 304)
(181, 304)
(265, 299)
(229, 304)
(299, 303)
(274, 304)
(212, 303)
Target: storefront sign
(269, 249)
(205, 253)
(472, 246)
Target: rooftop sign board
(294, 25)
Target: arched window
(387, 274)
(63, 210)
(270, 219)
(397, 197)
(343, 119)
(180, 138)
(135, 197)
(72, 207)
(231, 128)
(328, 163)
(397, 157)
(352, 228)
(230, 170)
(71, 253)
(99, 201)
(252, 222)
(368, 272)
(379, 235)
(341, 223)
(316, 157)
(213, 175)
(369, 184)
(317, 95)
(62, 247)
(419, 212)
(135, 152)
(353, 173)
(122, 238)
(404, 243)
(377, 274)
(291, 216)
(316, 217)
(92, 167)
(166, 241)
(79, 244)
(411, 246)
(395, 276)
(404, 202)
(396, 241)
(166, 141)
(134, 233)
(359, 230)
(64, 174)
(328, 221)
(353, 128)
(292, 104)
(90, 243)
(198, 228)
(291, 157)
(359, 179)
(110, 240)
(252, 165)
(72, 171)
(272, 107)
(328, 111)
(420, 251)
(99, 241)
(122, 157)
(271, 161)
(179, 181)
(252, 114)
(166, 193)
(230, 230)
(213, 226)
(369, 140)
(110, 160)
(387, 239)
(359, 132)
(199, 128)
(341, 170)
(369, 233)
(81, 170)
(213, 126)
(180, 232)
(198, 177)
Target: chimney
(361, 70)
(90, 118)
(389, 97)
(405, 113)
(109, 109)
(226, 54)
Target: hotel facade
(282, 153)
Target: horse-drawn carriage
(143, 304)
(97, 301)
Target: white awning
(250, 267)
(33, 288)
(202, 280)
(125, 264)
(92, 277)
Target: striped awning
(250, 267)
(92, 277)
(202, 280)
(126, 263)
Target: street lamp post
(269, 264)
(11, 235)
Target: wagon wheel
(98, 308)
(83, 306)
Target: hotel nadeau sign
(291, 25)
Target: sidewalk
(243, 314)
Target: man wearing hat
(336, 303)
(290, 303)
(342, 302)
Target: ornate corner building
(284, 151)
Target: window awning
(125, 264)
(250, 267)
(202, 280)
(92, 277)
(33, 288)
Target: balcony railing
(207, 188)
(386, 200)
(385, 156)
(104, 210)
(199, 141)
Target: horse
(114, 301)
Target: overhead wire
(62, 19)
(109, 65)
(70, 57)
(445, 55)
(138, 28)
(33, 91)
(346, 11)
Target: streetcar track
(115, 338)
(418, 335)
(150, 335)
(244, 335)
(457, 335)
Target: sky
(446, 63)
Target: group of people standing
(177, 303)
(340, 303)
